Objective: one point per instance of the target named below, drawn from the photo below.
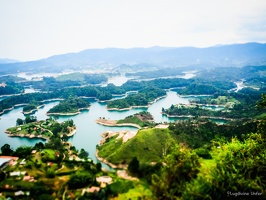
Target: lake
(88, 132)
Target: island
(71, 106)
(45, 129)
(138, 120)
(143, 98)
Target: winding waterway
(88, 132)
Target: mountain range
(215, 56)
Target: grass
(147, 146)
(133, 120)
(141, 190)
(50, 154)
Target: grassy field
(149, 145)
(133, 120)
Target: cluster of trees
(198, 133)
(69, 80)
(70, 105)
(27, 120)
(89, 91)
(142, 98)
(246, 108)
(11, 88)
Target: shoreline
(34, 110)
(105, 123)
(30, 136)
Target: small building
(34, 151)
(93, 189)
(103, 180)
(19, 193)
(18, 173)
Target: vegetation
(142, 119)
(67, 80)
(142, 98)
(8, 88)
(44, 128)
(49, 171)
(238, 105)
(71, 105)
(149, 145)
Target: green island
(143, 98)
(31, 127)
(139, 120)
(70, 106)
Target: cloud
(34, 29)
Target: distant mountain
(216, 56)
(6, 60)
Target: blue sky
(34, 29)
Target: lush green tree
(19, 121)
(6, 150)
(80, 180)
(98, 166)
(133, 166)
(240, 167)
(30, 119)
(23, 151)
(2, 175)
(83, 154)
(181, 166)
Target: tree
(182, 165)
(80, 180)
(23, 151)
(240, 166)
(2, 175)
(6, 150)
(30, 119)
(99, 166)
(83, 154)
(19, 121)
(133, 166)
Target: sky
(35, 29)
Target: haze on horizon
(31, 29)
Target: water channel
(88, 132)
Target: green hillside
(149, 145)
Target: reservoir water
(88, 132)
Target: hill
(153, 143)
(226, 55)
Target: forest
(70, 105)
